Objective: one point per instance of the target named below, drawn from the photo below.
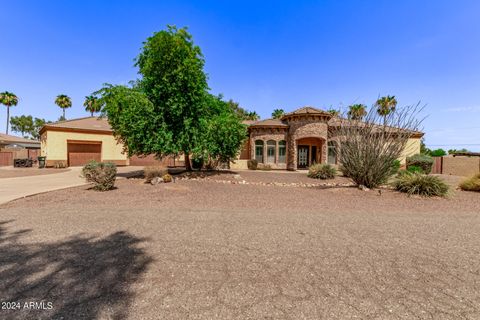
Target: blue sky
(264, 54)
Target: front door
(302, 160)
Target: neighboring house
(298, 139)
(12, 147)
(76, 142)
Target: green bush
(151, 172)
(395, 167)
(438, 153)
(421, 184)
(420, 160)
(471, 184)
(415, 169)
(101, 174)
(321, 171)
(252, 164)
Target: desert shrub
(151, 172)
(471, 184)
(438, 153)
(403, 172)
(370, 144)
(252, 164)
(167, 178)
(415, 169)
(421, 184)
(101, 174)
(421, 160)
(321, 171)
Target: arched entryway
(310, 150)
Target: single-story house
(76, 142)
(12, 147)
(298, 139)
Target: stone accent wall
(305, 128)
(265, 134)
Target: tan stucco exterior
(54, 145)
(412, 147)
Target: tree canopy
(169, 110)
(28, 126)
(92, 104)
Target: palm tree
(252, 115)
(92, 104)
(386, 105)
(357, 111)
(334, 112)
(8, 99)
(277, 113)
(64, 102)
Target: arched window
(259, 151)
(282, 151)
(332, 152)
(271, 146)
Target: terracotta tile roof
(269, 123)
(87, 123)
(8, 139)
(307, 110)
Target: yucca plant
(421, 184)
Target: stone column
(292, 154)
(324, 152)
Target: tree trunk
(91, 113)
(63, 114)
(8, 117)
(188, 165)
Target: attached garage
(82, 152)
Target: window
(271, 146)
(282, 151)
(259, 151)
(332, 152)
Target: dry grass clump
(421, 184)
(321, 171)
(151, 172)
(471, 184)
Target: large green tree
(8, 99)
(174, 81)
(169, 110)
(241, 112)
(64, 102)
(92, 104)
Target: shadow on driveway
(83, 277)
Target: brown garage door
(79, 154)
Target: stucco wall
(461, 166)
(266, 134)
(54, 145)
(412, 147)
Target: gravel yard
(209, 249)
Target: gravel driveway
(209, 250)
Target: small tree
(277, 113)
(64, 102)
(368, 150)
(38, 123)
(8, 99)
